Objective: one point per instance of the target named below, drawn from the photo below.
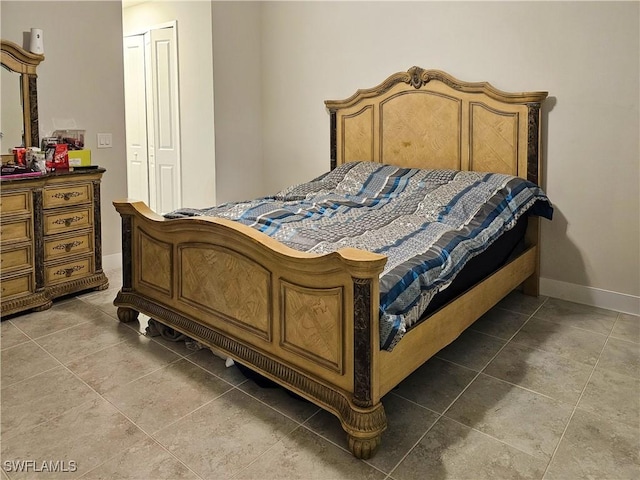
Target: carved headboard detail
(428, 119)
(17, 59)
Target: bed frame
(310, 322)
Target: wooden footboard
(308, 322)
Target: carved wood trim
(333, 146)
(360, 423)
(34, 300)
(362, 342)
(381, 127)
(469, 93)
(347, 120)
(154, 263)
(31, 127)
(24, 63)
(18, 59)
(245, 304)
(84, 283)
(513, 165)
(419, 77)
(306, 331)
(97, 226)
(533, 144)
(38, 233)
(127, 252)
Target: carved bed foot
(44, 307)
(363, 448)
(155, 328)
(365, 432)
(127, 315)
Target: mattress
(429, 223)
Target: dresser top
(10, 179)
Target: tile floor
(537, 388)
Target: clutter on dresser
(27, 162)
(65, 149)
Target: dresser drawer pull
(67, 195)
(67, 246)
(67, 272)
(67, 221)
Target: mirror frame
(19, 60)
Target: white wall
(585, 54)
(81, 78)
(195, 59)
(237, 70)
(278, 61)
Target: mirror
(11, 120)
(19, 67)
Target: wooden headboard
(428, 119)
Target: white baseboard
(596, 297)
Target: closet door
(165, 143)
(152, 119)
(136, 119)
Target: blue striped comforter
(428, 223)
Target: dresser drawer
(17, 285)
(63, 246)
(67, 195)
(65, 271)
(16, 258)
(67, 220)
(15, 231)
(15, 203)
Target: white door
(165, 143)
(136, 118)
(161, 117)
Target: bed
(311, 321)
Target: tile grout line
(464, 390)
(305, 424)
(100, 396)
(582, 329)
(85, 475)
(271, 447)
(39, 373)
(306, 427)
(9, 322)
(417, 442)
(575, 407)
(496, 439)
(416, 403)
(151, 435)
(505, 381)
(213, 373)
(35, 339)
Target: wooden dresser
(50, 238)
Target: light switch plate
(105, 140)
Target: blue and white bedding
(429, 223)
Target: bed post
(531, 286)
(333, 138)
(369, 419)
(126, 314)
